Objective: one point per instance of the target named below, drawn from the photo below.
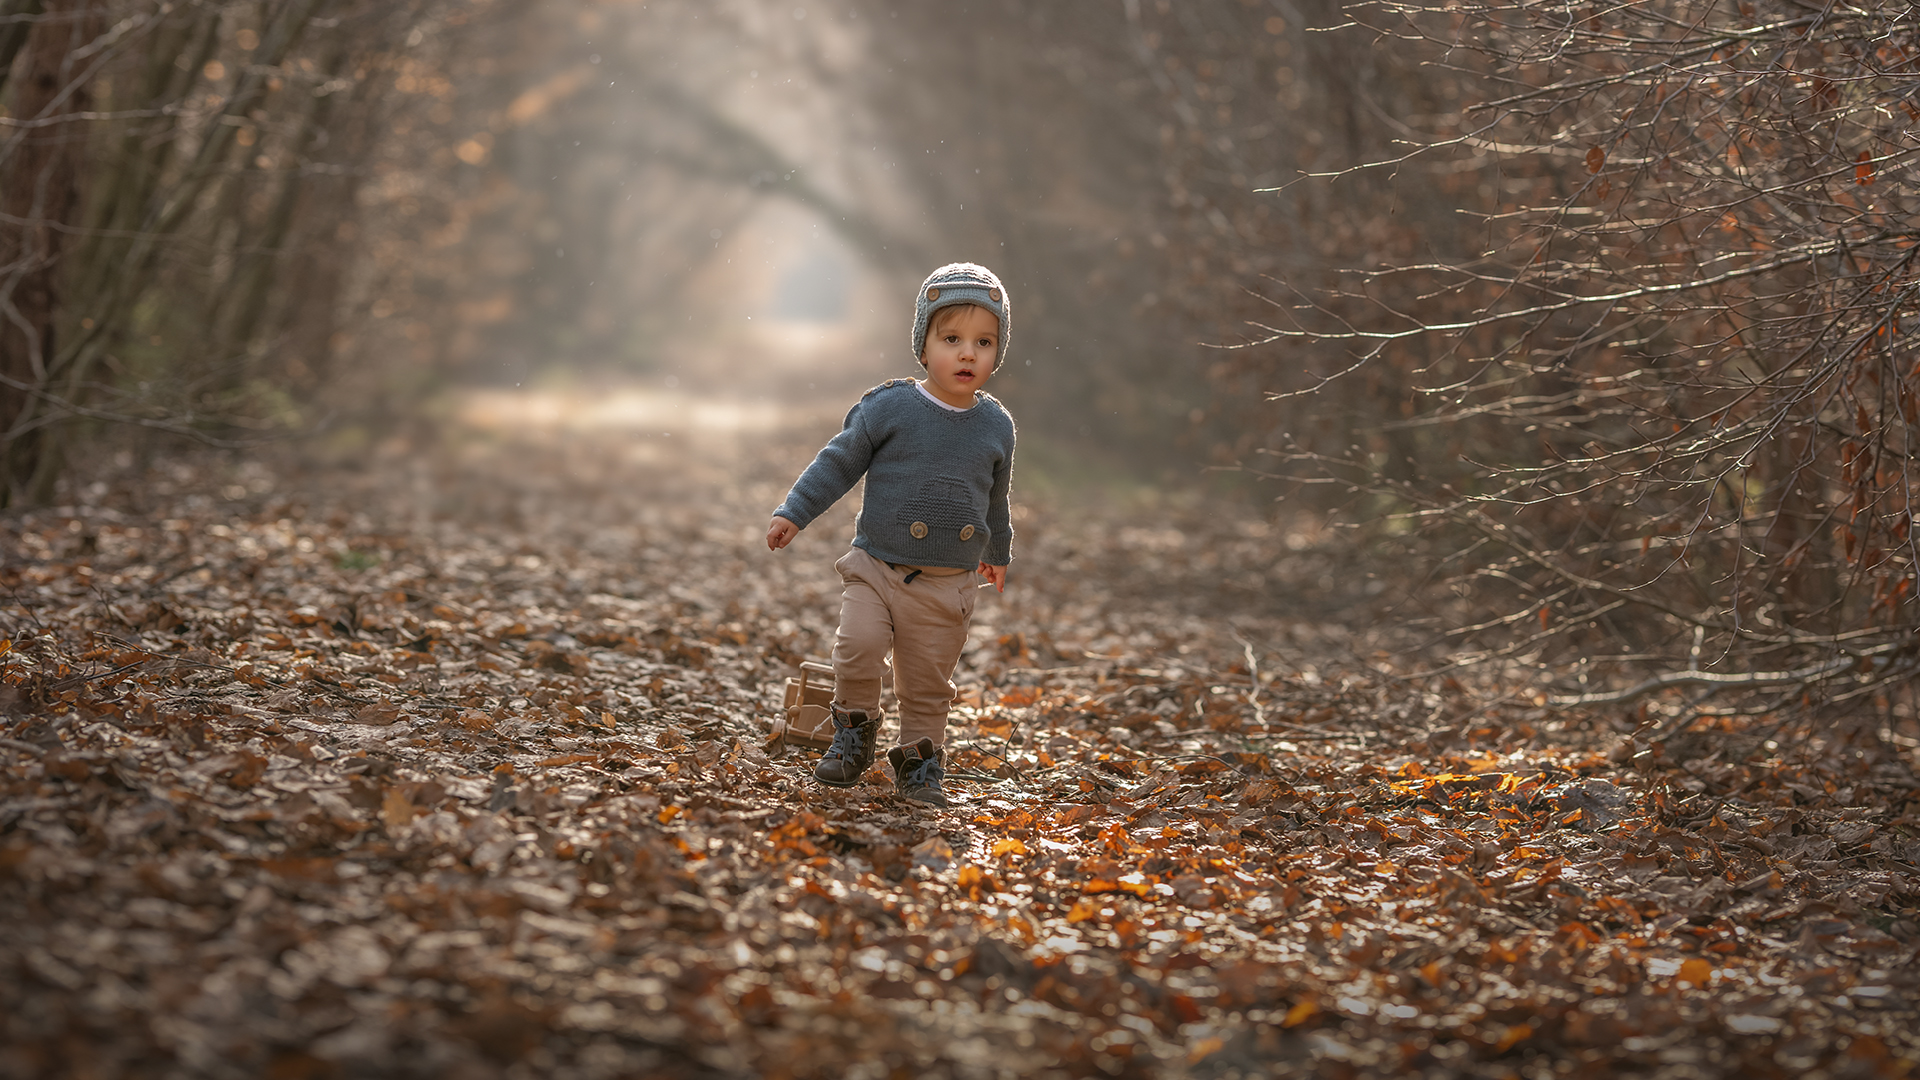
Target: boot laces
(924, 772)
(846, 740)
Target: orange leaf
(668, 813)
(1074, 815)
(1303, 1010)
(1596, 159)
(1513, 1035)
(1697, 971)
(311, 869)
(1114, 837)
(1010, 845)
(1863, 168)
(377, 714)
(1020, 695)
(1867, 1048)
(396, 809)
(1578, 933)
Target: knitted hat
(960, 283)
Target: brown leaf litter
(451, 766)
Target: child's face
(959, 353)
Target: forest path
(451, 764)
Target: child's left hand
(995, 575)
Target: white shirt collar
(928, 394)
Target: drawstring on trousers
(912, 572)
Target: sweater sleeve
(835, 469)
(999, 515)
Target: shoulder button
(918, 529)
(966, 532)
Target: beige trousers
(924, 624)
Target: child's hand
(781, 533)
(995, 575)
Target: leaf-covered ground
(452, 764)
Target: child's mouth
(963, 375)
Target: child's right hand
(781, 533)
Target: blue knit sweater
(937, 480)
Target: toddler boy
(937, 454)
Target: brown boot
(917, 770)
(854, 733)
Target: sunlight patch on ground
(622, 409)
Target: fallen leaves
(489, 780)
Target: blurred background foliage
(1598, 307)
(233, 217)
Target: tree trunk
(40, 169)
(13, 34)
(259, 265)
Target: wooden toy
(807, 714)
